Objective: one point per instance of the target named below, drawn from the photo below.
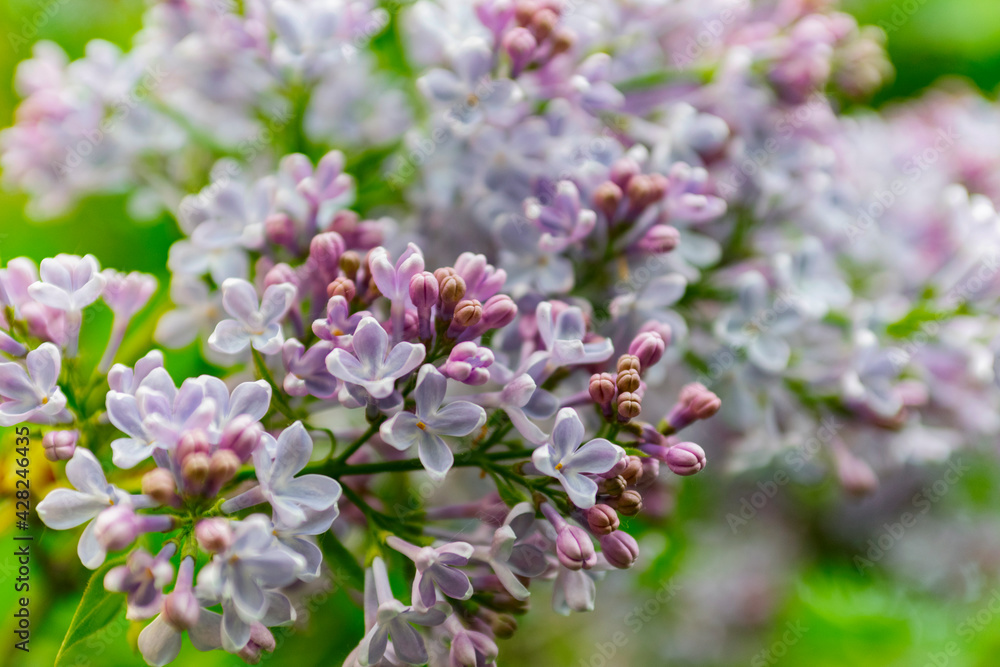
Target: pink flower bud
(685, 458)
(325, 250)
(60, 445)
(222, 467)
(468, 363)
(116, 527)
(648, 347)
(192, 442)
(659, 239)
(280, 230)
(623, 170)
(607, 197)
(343, 287)
(242, 435)
(644, 190)
(520, 45)
(424, 290)
(620, 549)
(629, 406)
(159, 484)
(214, 535)
(499, 311)
(602, 519)
(279, 274)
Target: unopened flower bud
(343, 287)
(468, 312)
(633, 470)
(695, 403)
(628, 381)
(628, 362)
(562, 41)
(543, 23)
(623, 170)
(60, 445)
(194, 472)
(575, 549)
(424, 290)
(279, 274)
(602, 519)
(645, 189)
(620, 549)
(325, 250)
(181, 609)
(660, 239)
(685, 458)
(350, 262)
(617, 469)
(525, 10)
(261, 641)
(629, 406)
(630, 502)
(499, 311)
(214, 535)
(607, 197)
(222, 467)
(116, 527)
(159, 484)
(242, 435)
(280, 230)
(451, 289)
(648, 347)
(612, 486)
(503, 625)
(602, 388)
(520, 45)
(650, 472)
(192, 442)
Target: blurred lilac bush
(533, 238)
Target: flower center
(559, 466)
(422, 426)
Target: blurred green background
(785, 588)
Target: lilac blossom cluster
(486, 256)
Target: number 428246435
(22, 483)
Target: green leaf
(97, 609)
(342, 563)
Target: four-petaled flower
(425, 427)
(33, 394)
(563, 337)
(373, 365)
(255, 323)
(564, 458)
(437, 566)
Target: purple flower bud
(575, 549)
(685, 458)
(60, 445)
(644, 190)
(222, 467)
(623, 170)
(650, 473)
(620, 549)
(192, 442)
(242, 436)
(280, 230)
(695, 403)
(468, 363)
(649, 347)
(602, 519)
(261, 641)
(520, 45)
(116, 527)
(607, 197)
(659, 239)
(194, 472)
(324, 254)
(343, 287)
(181, 608)
(214, 535)
(424, 290)
(499, 311)
(279, 274)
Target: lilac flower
(521, 399)
(307, 372)
(568, 462)
(256, 323)
(373, 365)
(198, 311)
(482, 280)
(563, 222)
(160, 641)
(393, 620)
(563, 337)
(814, 283)
(142, 578)
(469, 90)
(66, 508)
(243, 578)
(294, 499)
(469, 364)
(68, 282)
(393, 280)
(425, 427)
(869, 383)
(574, 590)
(760, 325)
(340, 324)
(436, 567)
(468, 647)
(126, 295)
(510, 556)
(125, 380)
(33, 394)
